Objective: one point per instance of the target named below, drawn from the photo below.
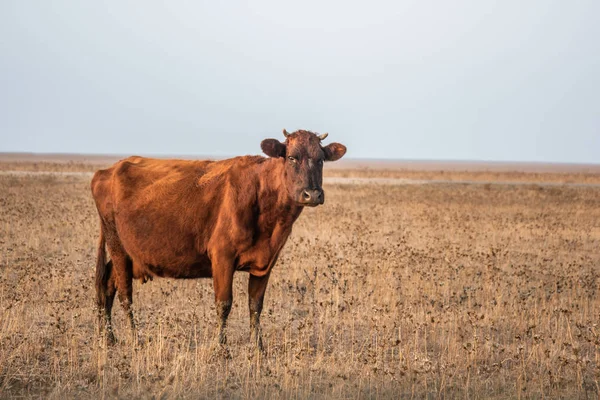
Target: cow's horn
(285, 133)
(323, 136)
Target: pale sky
(446, 80)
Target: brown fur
(201, 219)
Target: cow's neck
(274, 198)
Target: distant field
(415, 170)
(446, 290)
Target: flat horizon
(346, 163)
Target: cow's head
(303, 157)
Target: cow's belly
(166, 256)
(199, 268)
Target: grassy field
(440, 291)
(440, 171)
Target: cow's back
(164, 212)
(144, 178)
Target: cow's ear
(273, 148)
(334, 151)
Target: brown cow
(202, 219)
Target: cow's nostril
(306, 195)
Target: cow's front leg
(256, 294)
(223, 284)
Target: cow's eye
(320, 162)
(292, 159)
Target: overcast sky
(449, 80)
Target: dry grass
(471, 176)
(397, 291)
(46, 166)
(544, 173)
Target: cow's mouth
(309, 204)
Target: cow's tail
(102, 270)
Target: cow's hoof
(220, 351)
(139, 342)
(110, 339)
(256, 352)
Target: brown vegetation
(471, 176)
(436, 171)
(385, 291)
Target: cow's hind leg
(105, 297)
(105, 288)
(123, 268)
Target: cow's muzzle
(312, 197)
